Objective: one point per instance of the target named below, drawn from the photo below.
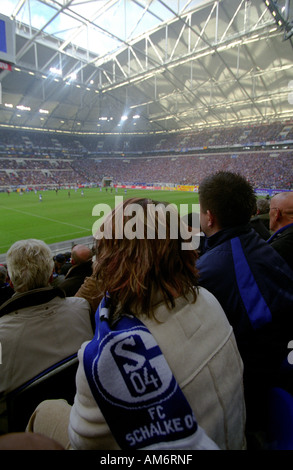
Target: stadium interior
(145, 93)
(103, 84)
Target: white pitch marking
(47, 218)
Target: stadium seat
(56, 382)
(280, 424)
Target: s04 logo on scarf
(139, 375)
(136, 365)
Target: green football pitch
(59, 217)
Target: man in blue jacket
(254, 285)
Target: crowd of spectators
(262, 328)
(241, 314)
(262, 154)
(32, 143)
(35, 158)
(263, 169)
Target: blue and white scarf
(135, 388)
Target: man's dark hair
(229, 196)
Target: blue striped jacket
(249, 278)
(254, 285)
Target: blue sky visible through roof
(86, 23)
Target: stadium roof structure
(146, 66)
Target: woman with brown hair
(163, 370)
